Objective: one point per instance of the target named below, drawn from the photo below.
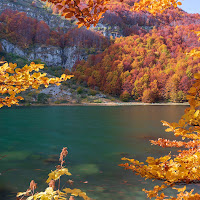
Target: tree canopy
(89, 12)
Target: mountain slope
(147, 63)
(150, 67)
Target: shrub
(79, 90)
(112, 99)
(92, 92)
(148, 96)
(181, 96)
(125, 96)
(64, 101)
(57, 102)
(97, 101)
(43, 98)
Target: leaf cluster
(14, 80)
(87, 13)
(51, 193)
(155, 6)
(91, 11)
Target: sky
(190, 6)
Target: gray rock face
(51, 55)
(108, 30)
(11, 48)
(56, 91)
(71, 56)
(38, 12)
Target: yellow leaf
(55, 175)
(192, 90)
(49, 190)
(20, 98)
(180, 189)
(80, 24)
(17, 70)
(196, 113)
(165, 123)
(181, 122)
(36, 75)
(197, 76)
(168, 130)
(30, 198)
(21, 193)
(63, 76)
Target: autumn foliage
(154, 6)
(14, 80)
(25, 32)
(183, 167)
(148, 67)
(54, 192)
(151, 67)
(89, 12)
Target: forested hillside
(150, 66)
(25, 31)
(33, 40)
(131, 55)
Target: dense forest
(148, 67)
(25, 31)
(148, 63)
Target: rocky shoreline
(112, 104)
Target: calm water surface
(96, 137)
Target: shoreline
(111, 104)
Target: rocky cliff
(38, 12)
(35, 11)
(51, 55)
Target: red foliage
(150, 67)
(42, 34)
(25, 31)
(86, 38)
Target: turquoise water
(31, 138)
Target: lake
(97, 138)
